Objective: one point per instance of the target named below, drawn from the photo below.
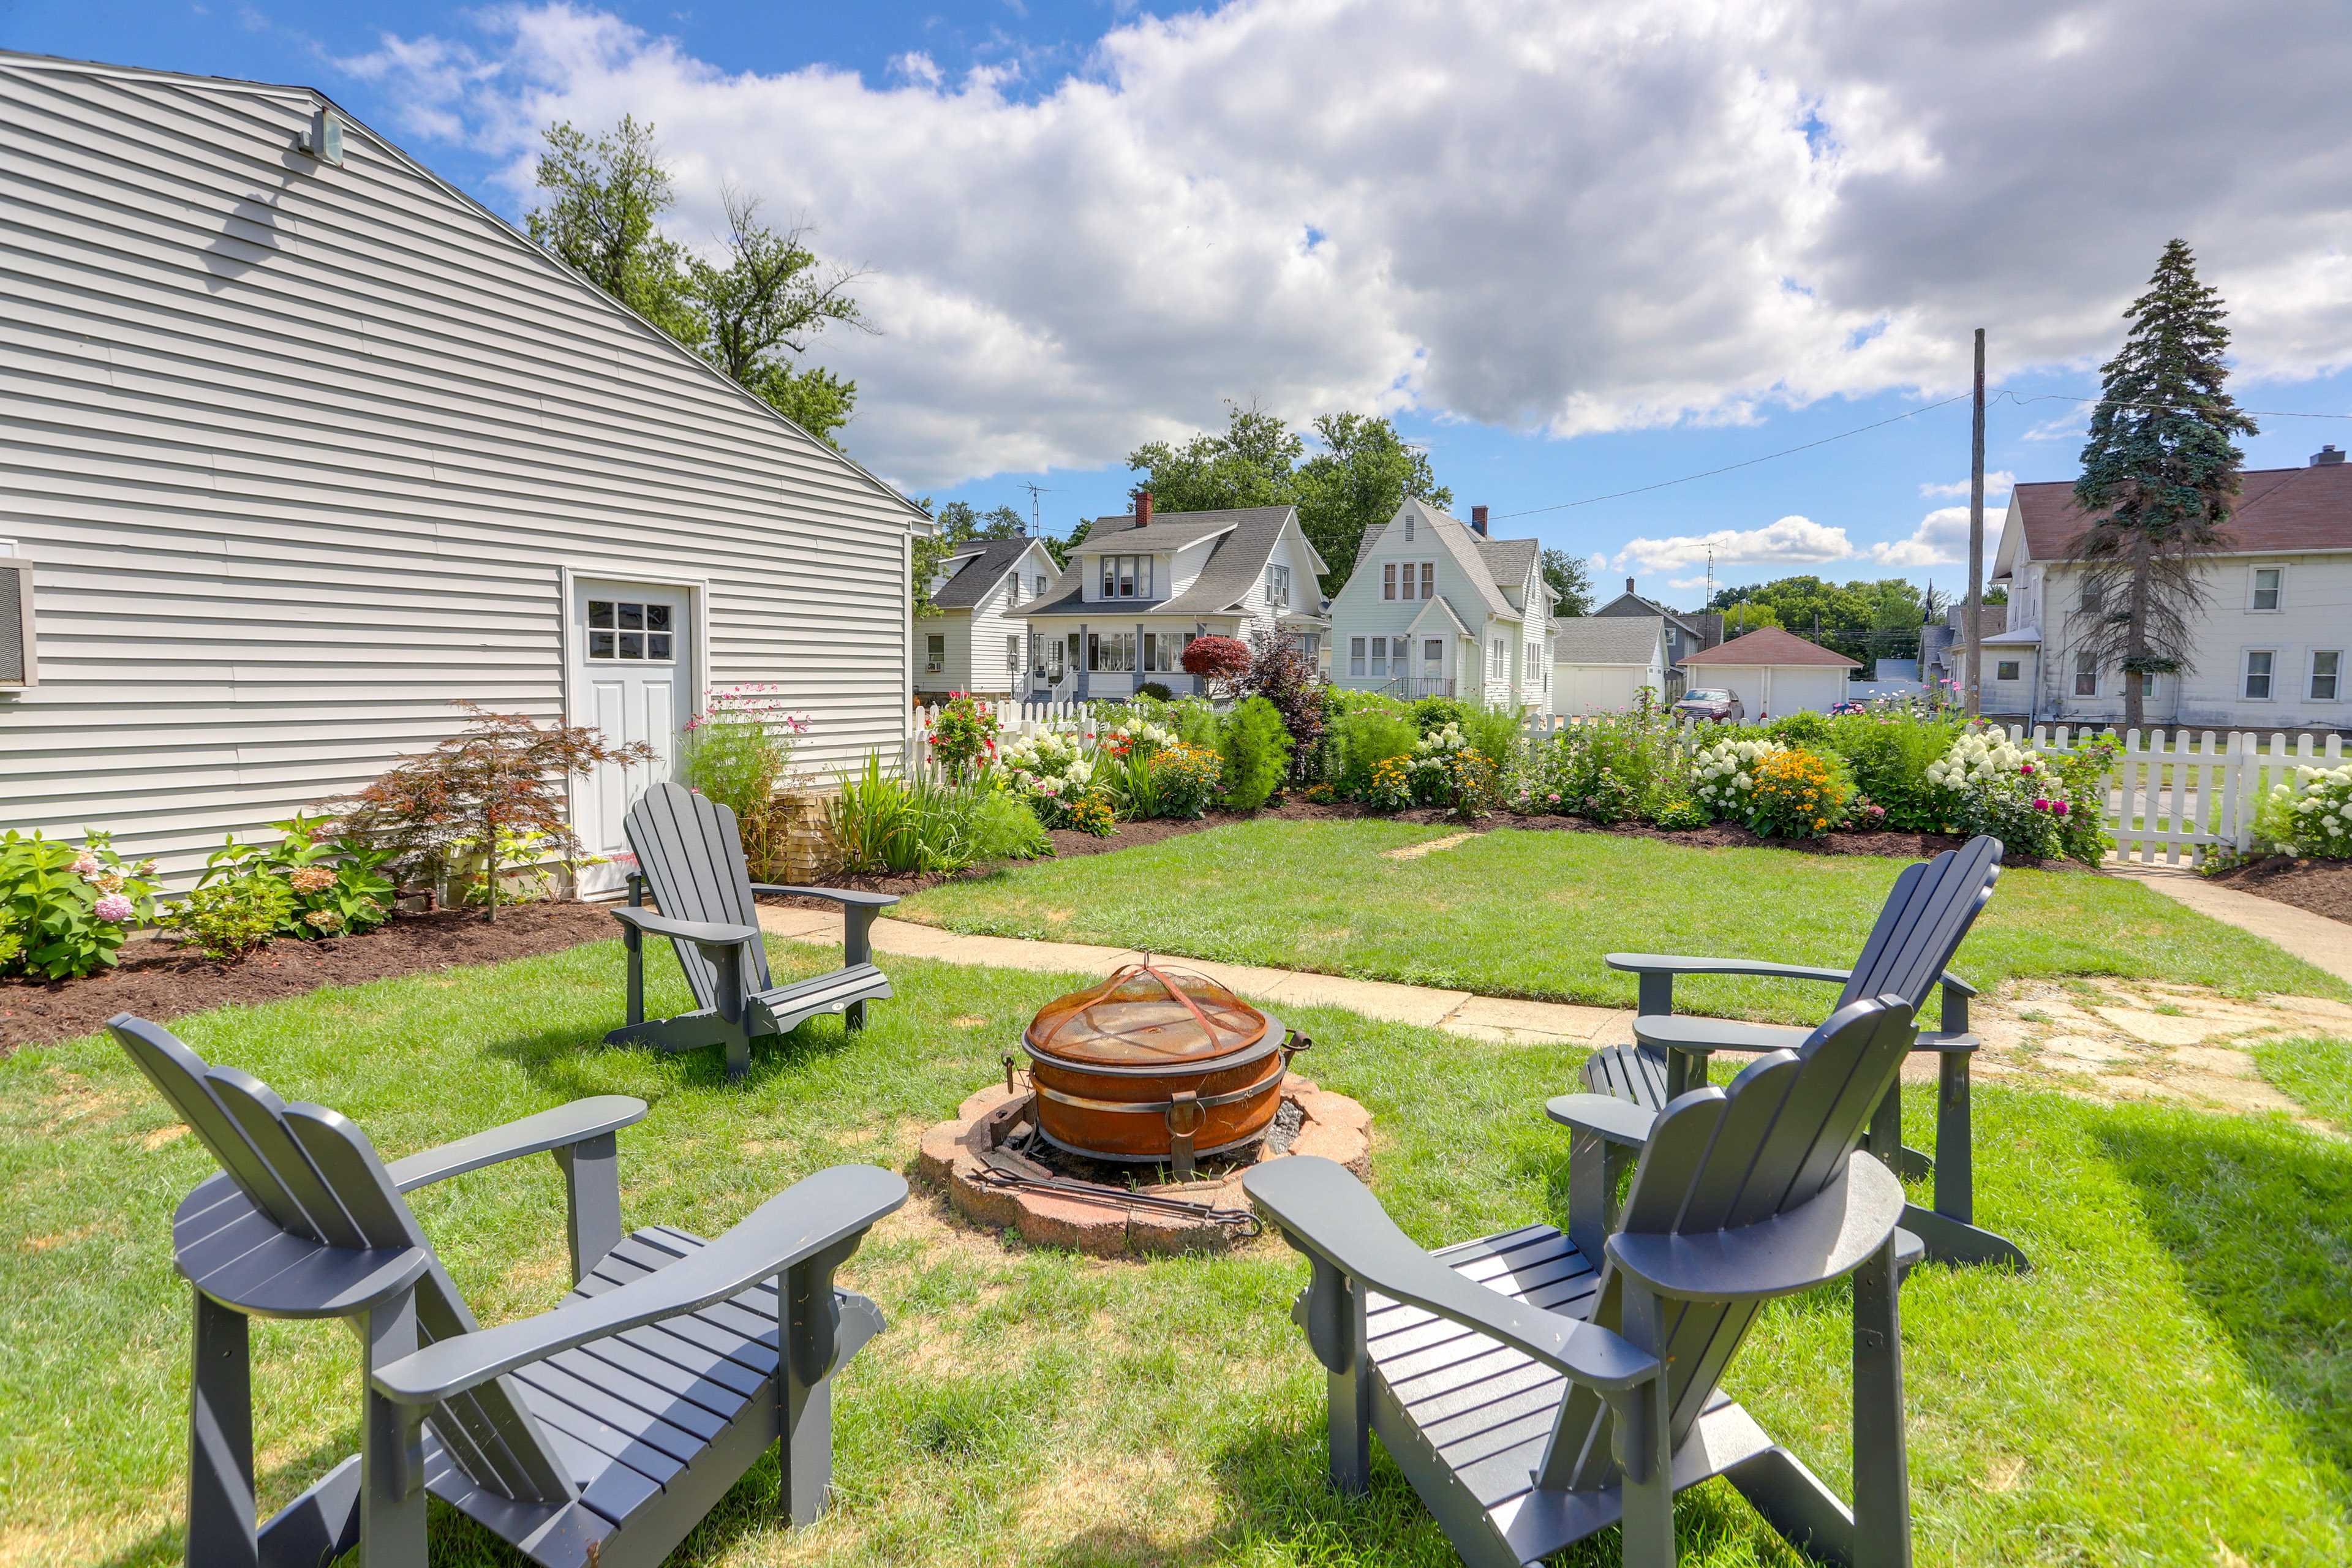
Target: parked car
(1712, 704)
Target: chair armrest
(549, 1130)
(702, 934)
(803, 1220)
(1328, 1214)
(849, 897)
(1689, 1032)
(1679, 964)
(1604, 1116)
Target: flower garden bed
(2322, 887)
(161, 979)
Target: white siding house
(1140, 587)
(1435, 608)
(2272, 646)
(1601, 664)
(974, 639)
(302, 451)
(1774, 672)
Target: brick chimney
(2326, 455)
(1143, 508)
(1629, 584)
(1478, 520)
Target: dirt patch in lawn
(2322, 887)
(160, 980)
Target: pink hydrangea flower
(115, 908)
(2060, 808)
(2039, 803)
(85, 864)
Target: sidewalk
(2318, 941)
(1495, 1019)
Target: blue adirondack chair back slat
(1724, 1158)
(691, 855)
(315, 1175)
(1921, 925)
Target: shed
(1601, 664)
(1774, 672)
(303, 446)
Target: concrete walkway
(2318, 941)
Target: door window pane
(600, 645)
(658, 644)
(633, 645)
(600, 613)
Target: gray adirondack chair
(1908, 953)
(689, 854)
(598, 1432)
(1535, 1391)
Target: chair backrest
(314, 1175)
(691, 856)
(1721, 1159)
(1921, 925)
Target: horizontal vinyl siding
(301, 453)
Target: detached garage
(1601, 663)
(1773, 672)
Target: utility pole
(1971, 628)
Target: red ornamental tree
(1222, 662)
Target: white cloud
(1572, 218)
(1942, 535)
(1792, 541)
(1997, 483)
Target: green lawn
(1326, 896)
(2314, 1074)
(2169, 1388)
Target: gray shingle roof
(980, 566)
(1466, 546)
(1234, 566)
(1508, 560)
(1609, 639)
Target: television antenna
(1036, 528)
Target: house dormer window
(1126, 576)
(1277, 586)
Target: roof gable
(1609, 639)
(1770, 645)
(2308, 508)
(979, 565)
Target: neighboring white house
(303, 450)
(1434, 608)
(1601, 664)
(974, 639)
(2272, 646)
(1774, 672)
(1139, 588)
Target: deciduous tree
(1571, 579)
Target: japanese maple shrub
(1281, 672)
(1222, 662)
(486, 791)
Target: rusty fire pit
(1156, 1066)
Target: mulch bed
(160, 980)
(2322, 887)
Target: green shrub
(64, 910)
(1157, 691)
(962, 735)
(1890, 753)
(1196, 724)
(738, 752)
(1129, 781)
(1345, 699)
(1004, 828)
(229, 915)
(1365, 737)
(1257, 751)
(338, 889)
(881, 823)
(1431, 714)
(1495, 734)
(1804, 728)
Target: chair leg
(853, 1015)
(1644, 1442)
(221, 1526)
(592, 1191)
(1335, 1332)
(1955, 1196)
(1881, 1482)
(1596, 1167)
(810, 1348)
(391, 1453)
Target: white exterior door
(632, 673)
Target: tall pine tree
(2159, 473)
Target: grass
(2316, 1074)
(1324, 896)
(2168, 1388)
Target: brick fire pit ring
(1331, 1125)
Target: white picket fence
(2172, 790)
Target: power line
(2167, 407)
(1748, 463)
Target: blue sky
(1571, 251)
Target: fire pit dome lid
(1143, 1015)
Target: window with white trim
(1038, 589)
(1126, 577)
(1495, 669)
(2261, 664)
(2326, 674)
(1408, 528)
(2089, 602)
(2086, 674)
(1277, 586)
(1356, 656)
(2269, 590)
(1388, 580)
(1110, 653)
(630, 630)
(1379, 659)
(1433, 656)
(1428, 579)
(935, 653)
